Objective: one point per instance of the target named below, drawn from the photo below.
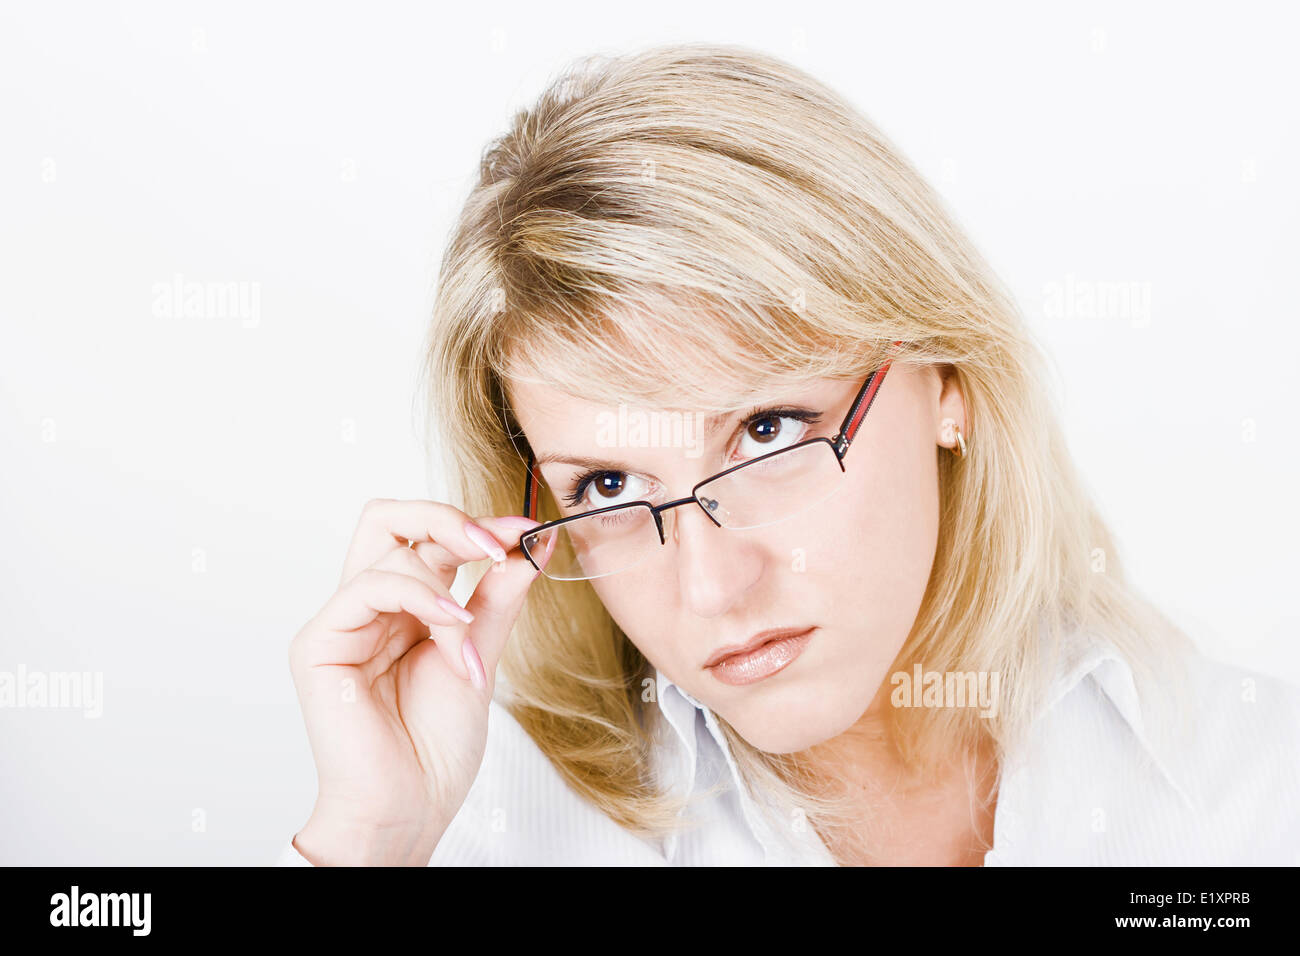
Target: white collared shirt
(1093, 785)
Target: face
(851, 571)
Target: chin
(795, 726)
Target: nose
(716, 567)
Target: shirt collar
(682, 712)
(1084, 656)
(1087, 656)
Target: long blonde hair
(655, 205)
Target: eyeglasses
(754, 494)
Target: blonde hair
(655, 205)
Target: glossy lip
(755, 642)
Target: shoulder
(520, 811)
(1245, 698)
(1236, 741)
(1202, 769)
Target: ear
(951, 411)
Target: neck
(900, 814)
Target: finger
(505, 533)
(450, 637)
(507, 529)
(496, 602)
(344, 634)
(386, 524)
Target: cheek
(642, 621)
(878, 545)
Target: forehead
(555, 420)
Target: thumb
(499, 595)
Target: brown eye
(765, 429)
(598, 489)
(609, 485)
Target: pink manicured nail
(454, 609)
(484, 541)
(477, 677)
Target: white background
(178, 492)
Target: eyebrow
(582, 461)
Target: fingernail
(484, 541)
(454, 609)
(477, 677)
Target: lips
(755, 642)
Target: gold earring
(951, 425)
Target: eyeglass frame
(853, 419)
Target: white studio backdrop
(178, 490)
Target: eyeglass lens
(762, 492)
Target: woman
(845, 601)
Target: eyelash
(574, 498)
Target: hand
(394, 679)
